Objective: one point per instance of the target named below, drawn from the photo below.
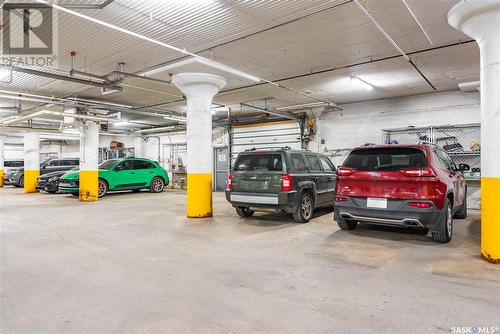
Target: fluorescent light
(362, 83)
(306, 105)
(473, 86)
(109, 91)
(5, 74)
(176, 118)
(122, 124)
(71, 131)
(163, 128)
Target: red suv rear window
(386, 159)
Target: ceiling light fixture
(109, 91)
(5, 74)
(176, 118)
(71, 131)
(122, 124)
(363, 83)
(305, 105)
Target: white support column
(480, 19)
(31, 161)
(139, 147)
(199, 89)
(89, 156)
(2, 152)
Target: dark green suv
(293, 181)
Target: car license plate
(376, 203)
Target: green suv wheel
(244, 211)
(305, 208)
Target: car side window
(125, 165)
(327, 164)
(71, 162)
(52, 163)
(139, 164)
(450, 161)
(443, 162)
(298, 163)
(314, 164)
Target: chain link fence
(461, 142)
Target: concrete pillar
(139, 147)
(2, 146)
(199, 89)
(480, 19)
(89, 157)
(31, 161)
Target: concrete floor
(132, 263)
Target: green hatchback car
(121, 174)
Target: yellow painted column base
(199, 195)
(89, 182)
(490, 219)
(30, 180)
(1, 177)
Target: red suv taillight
(344, 171)
(230, 182)
(418, 172)
(286, 182)
(422, 205)
(340, 199)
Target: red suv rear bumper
(398, 213)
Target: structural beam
(31, 161)
(199, 89)
(89, 154)
(2, 152)
(480, 19)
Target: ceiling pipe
(64, 78)
(342, 67)
(83, 103)
(206, 61)
(102, 5)
(57, 113)
(418, 21)
(394, 44)
(250, 35)
(139, 76)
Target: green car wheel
(157, 185)
(102, 188)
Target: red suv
(401, 185)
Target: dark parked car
(49, 182)
(401, 185)
(15, 176)
(9, 164)
(293, 181)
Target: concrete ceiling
(317, 44)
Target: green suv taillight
(286, 182)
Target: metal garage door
(265, 135)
